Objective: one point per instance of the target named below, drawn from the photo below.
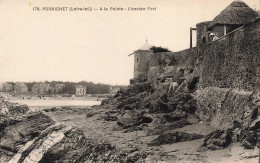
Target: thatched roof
(237, 13)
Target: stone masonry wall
(202, 34)
(141, 63)
(221, 106)
(184, 58)
(234, 60)
(169, 62)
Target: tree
(70, 88)
(30, 85)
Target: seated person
(213, 37)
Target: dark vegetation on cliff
(156, 49)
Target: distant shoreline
(49, 103)
(88, 97)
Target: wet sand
(98, 129)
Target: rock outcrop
(34, 137)
(230, 109)
(19, 127)
(174, 137)
(218, 139)
(151, 106)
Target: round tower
(202, 34)
(141, 60)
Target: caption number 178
(36, 8)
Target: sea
(41, 103)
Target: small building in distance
(41, 88)
(59, 87)
(113, 90)
(20, 87)
(81, 90)
(7, 87)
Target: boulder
(218, 139)
(132, 119)
(174, 137)
(159, 127)
(255, 124)
(174, 116)
(20, 109)
(182, 100)
(161, 105)
(111, 118)
(248, 139)
(221, 106)
(59, 143)
(91, 112)
(71, 148)
(12, 108)
(55, 144)
(17, 131)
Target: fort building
(141, 60)
(231, 61)
(232, 17)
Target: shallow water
(57, 103)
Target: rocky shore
(142, 123)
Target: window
(136, 59)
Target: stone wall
(167, 63)
(233, 61)
(141, 63)
(202, 34)
(224, 108)
(184, 58)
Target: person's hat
(212, 34)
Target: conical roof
(145, 47)
(237, 13)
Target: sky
(92, 45)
